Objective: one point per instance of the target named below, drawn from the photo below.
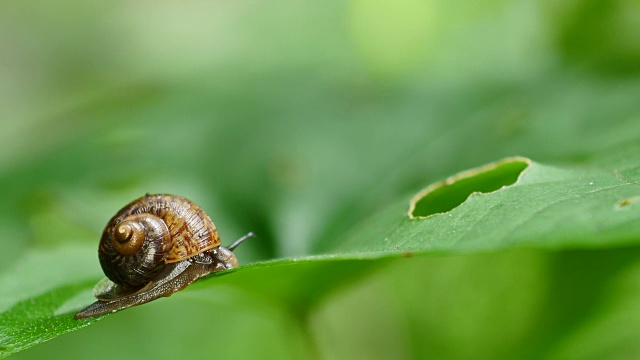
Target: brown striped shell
(152, 231)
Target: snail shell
(150, 232)
(154, 246)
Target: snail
(154, 246)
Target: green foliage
(295, 122)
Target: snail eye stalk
(240, 241)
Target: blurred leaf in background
(313, 124)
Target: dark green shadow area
(297, 284)
(447, 195)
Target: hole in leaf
(446, 195)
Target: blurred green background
(298, 120)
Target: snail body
(154, 246)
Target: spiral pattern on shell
(150, 232)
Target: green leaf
(546, 207)
(316, 125)
(39, 295)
